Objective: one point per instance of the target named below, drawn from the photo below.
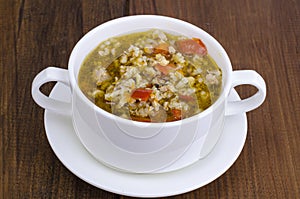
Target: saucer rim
(56, 93)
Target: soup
(151, 76)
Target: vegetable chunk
(191, 47)
(141, 94)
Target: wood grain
(259, 35)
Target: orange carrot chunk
(141, 94)
(192, 46)
(176, 114)
(164, 69)
(162, 48)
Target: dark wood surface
(260, 35)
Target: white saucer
(76, 158)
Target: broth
(151, 76)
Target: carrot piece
(141, 94)
(176, 113)
(191, 46)
(164, 69)
(162, 48)
(200, 42)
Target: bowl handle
(48, 75)
(249, 77)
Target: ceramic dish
(70, 151)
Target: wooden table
(259, 35)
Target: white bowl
(147, 147)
